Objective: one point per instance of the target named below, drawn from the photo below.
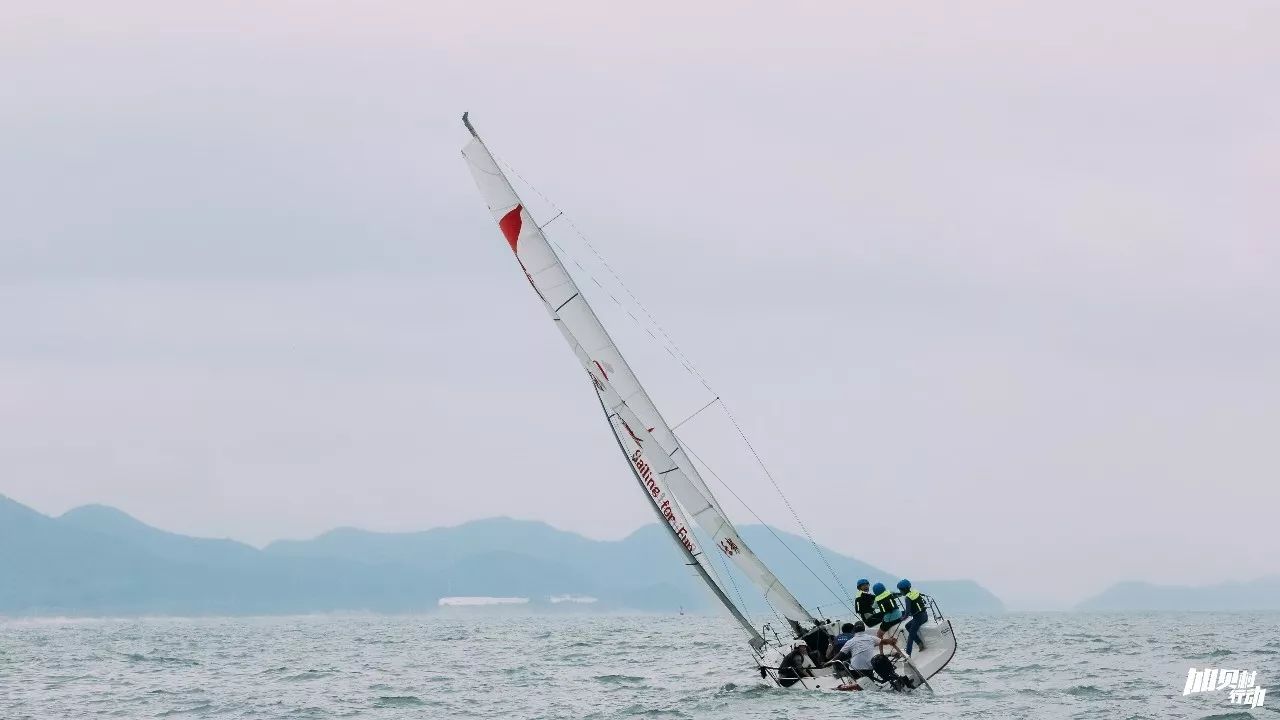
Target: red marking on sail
(632, 433)
(601, 367)
(510, 225)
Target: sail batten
(675, 488)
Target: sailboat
(661, 465)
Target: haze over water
(1009, 258)
(597, 667)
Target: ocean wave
(642, 711)
(198, 708)
(392, 701)
(308, 675)
(228, 669)
(139, 657)
(751, 689)
(616, 679)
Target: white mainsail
(661, 464)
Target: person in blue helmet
(918, 612)
(864, 605)
(886, 603)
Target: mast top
(470, 128)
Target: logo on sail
(729, 546)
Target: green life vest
(885, 603)
(916, 601)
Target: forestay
(664, 468)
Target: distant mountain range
(96, 560)
(1260, 594)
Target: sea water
(584, 667)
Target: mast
(658, 461)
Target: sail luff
(641, 430)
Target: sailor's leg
(913, 631)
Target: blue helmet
(861, 582)
(904, 585)
(877, 588)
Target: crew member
(864, 606)
(918, 611)
(887, 607)
(846, 634)
(864, 659)
(795, 665)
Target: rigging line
(679, 356)
(545, 224)
(796, 516)
(704, 407)
(672, 349)
(756, 655)
(779, 616)
(683, 359)
(728, 572)
(701, 559)
(566, 255)
(766, 525)
(782, 619)
(689, 366)
(733, 581)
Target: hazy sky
(994, 287)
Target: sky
(991, 287)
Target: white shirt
(860, 648)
